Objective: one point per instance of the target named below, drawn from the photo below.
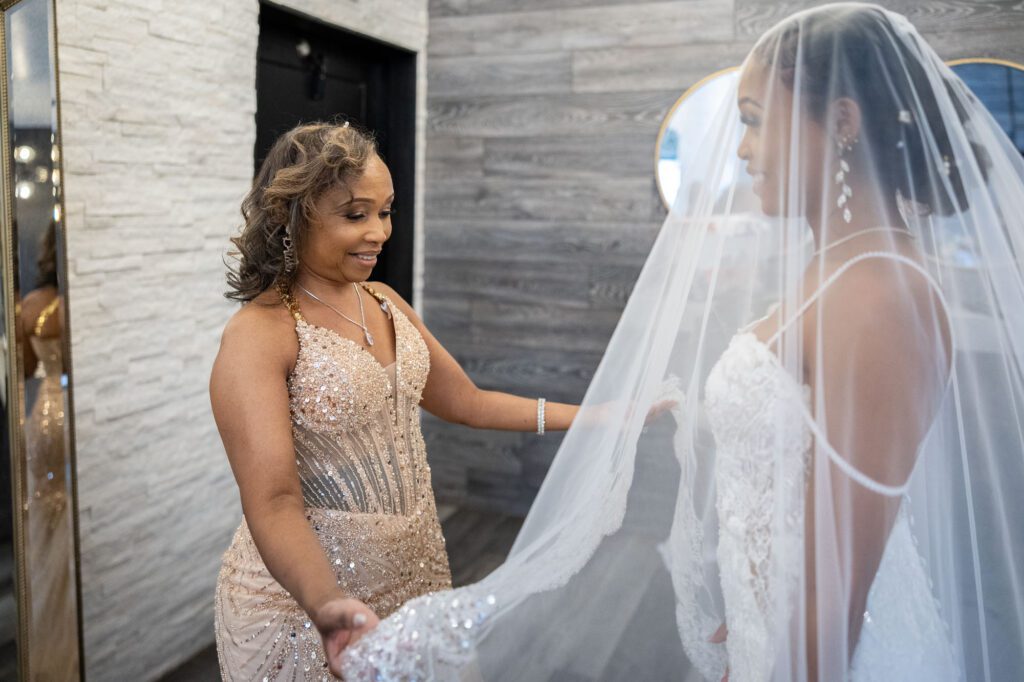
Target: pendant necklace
(362, 313)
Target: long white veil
(838, 490)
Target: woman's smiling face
(350, 227)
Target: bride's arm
(877, 362)
(452, 396)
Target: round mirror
(685, 125)
(999, 84)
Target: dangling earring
(845, 192)
(289, 252)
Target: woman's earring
(845, 192)
(289, 253)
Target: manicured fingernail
(359, 620)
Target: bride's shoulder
(874, 300)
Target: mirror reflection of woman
(49, 515)
(316, 391)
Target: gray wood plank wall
(540, 201)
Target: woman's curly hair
(304, 163)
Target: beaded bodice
(355, 423)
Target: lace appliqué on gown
(755, 410)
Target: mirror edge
(15, 384)
(65, 289)
(985, 60)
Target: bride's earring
(844, 191)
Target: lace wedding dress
(748, 394)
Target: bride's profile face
(766, 110)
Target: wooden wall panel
(580, 28)
(569, 113)
(504, 74)
(754, 17)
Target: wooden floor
(478, 542)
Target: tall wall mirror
(39, 578)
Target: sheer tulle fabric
(835, 309)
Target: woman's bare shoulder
(262, 327)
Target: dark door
(310, 71)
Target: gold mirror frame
(985, 60)
(953, 63)
(16, 416)
(712, 76)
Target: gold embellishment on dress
(45, 315)
(383, 300)
(289, 301)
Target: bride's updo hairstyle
(304, 163)
(854, 51)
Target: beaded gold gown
(50, 525)
(366, 486)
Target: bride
(837, 494)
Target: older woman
(316, 392)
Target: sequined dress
(366, 486)
(49, 527)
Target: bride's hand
(600, 414)
(341, 623)
(659, 408)
(721, 634)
